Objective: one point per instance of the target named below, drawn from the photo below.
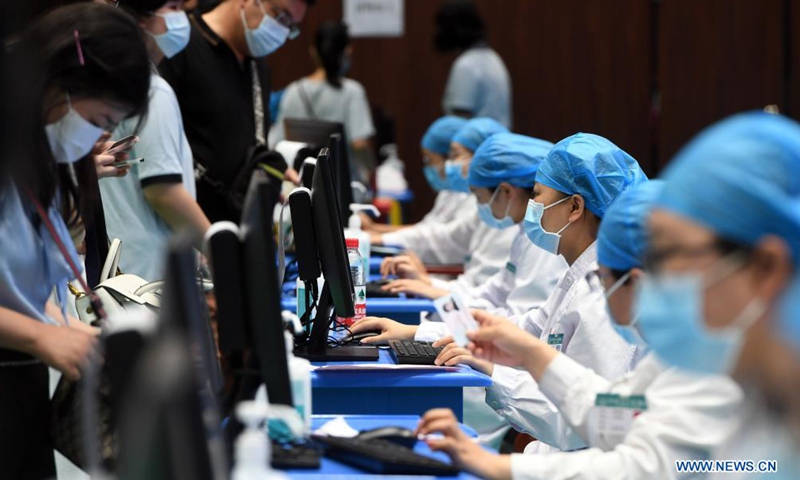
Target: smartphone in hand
(122, 145)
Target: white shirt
(347, 105)
(528, 279)
(446, 207)
(167, 159)
(574, 319)
(482, 250)
(687, 417)
(479, 83)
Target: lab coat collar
(583, 266)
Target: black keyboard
(383, 457)
(295, 456)
(414, 353)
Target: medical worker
(725, 248)
(481, 249)
(463, 148)
(638, 425)
(435, 147)
(501, 175)
(574, 186)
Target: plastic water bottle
(359, 282)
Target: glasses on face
(282, 16)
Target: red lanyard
(97, 305)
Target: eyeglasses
(283, 17)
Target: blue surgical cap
(507, 157)
(623, 236)
(476, 131)
(591, 166)
(741, 179)
(441, 132)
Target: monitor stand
(318, 349)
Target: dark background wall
(646, 74)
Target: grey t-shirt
(479, 83)
(347, 105)
(167, 159)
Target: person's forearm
(52, 311)
(539, 359)
(18, 332)
(179, 210)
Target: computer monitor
(336, 297)
(262, 291)
(170, 427)
(319, 133)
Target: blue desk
(375, 265)
(391, 392)
(403, 310)
(332, 468)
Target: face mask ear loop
(618, 284)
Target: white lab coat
(687, 417)
(446, 207)
(524, 284)
(760, 436)
(482, 250)
(576, 310)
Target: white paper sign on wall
(375, 18)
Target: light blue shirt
(479, 83)
(31, 264)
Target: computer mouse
(356, 339)
(399, 435)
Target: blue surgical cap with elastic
(623, 236)
(476, 131)
(507, 157)
(591, 166)
(441, 132)
(741, 179)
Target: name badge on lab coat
(613, 414)
(556, 340)
(511, 268)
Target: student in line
(327, 94)
(78, 71)
(157, 197)
(479, 84)
(726, 247)
(574, 186)
(636, 426)
(501, 175)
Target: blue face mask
(533, 227)
(670, 308)
(629, 332)
(177, 35)
(485, 214)
(433, 178)
(453, 177)
(267, 37)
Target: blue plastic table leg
(387, 401)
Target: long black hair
(88, 50)
(141, 8)
(459, 26)
(330, 42)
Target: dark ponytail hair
(139, 9)
(115, 68)
(331, 41)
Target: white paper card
(375, 18)
(456, 316)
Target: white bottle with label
(300, 378)
(253, 448)
(353, 230)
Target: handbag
(120, 292)
(68, 422)
(258, 157)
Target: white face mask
(177, 35)
(267, 37)
(71, 137)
